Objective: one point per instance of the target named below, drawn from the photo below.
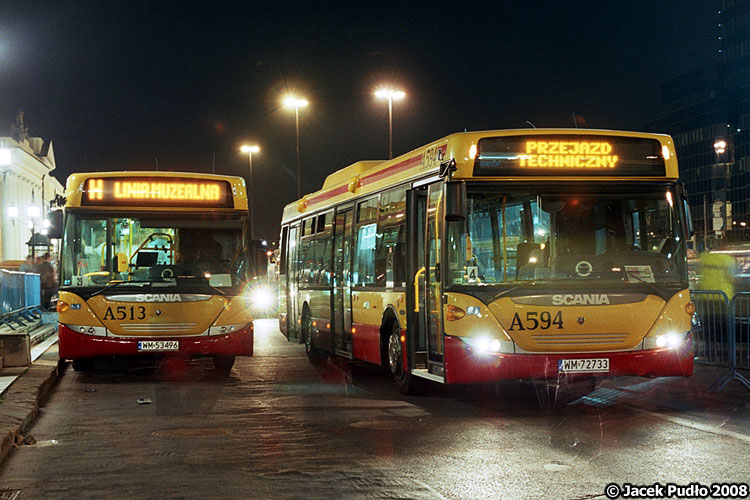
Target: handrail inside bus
(148, 239)
(416, 288)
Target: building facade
(707, 111)
(26, 189)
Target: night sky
(124, 87)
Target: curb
(20, 403)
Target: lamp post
(720, 147)
(33, 212)
(296, 103)
(250, 149)
(391, 95)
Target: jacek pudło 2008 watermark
(672, 490)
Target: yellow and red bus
(506, 254)
(154, 263)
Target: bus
(154, 263)
(508, 254)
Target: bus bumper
(463, 366)
(75, 345)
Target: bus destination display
(548, 155)
(156, 192)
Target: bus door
(292, 266)
(341, 311)
(424, 339)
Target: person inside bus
(201, 254)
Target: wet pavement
(276, 427)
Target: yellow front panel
(674, 317)
(577, 328)
(81, 315)
(235, 312)
(484, 324)
(150, 319)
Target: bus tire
(83, 364)
(316, 355)
(406, 382)
(223, 363)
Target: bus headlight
(261, 297)
(668, 340)
(484, 345)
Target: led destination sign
(580, 154)
(153, 191)
(562, 155)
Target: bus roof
(365, 177)
(231, 190)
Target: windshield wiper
(203, 281)
(114, 284)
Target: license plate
(589, 365)
(158, 345)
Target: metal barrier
(713, 308)
(724, 333)
(20, 298)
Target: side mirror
(688, 219)
(455, 201)
(55, 230)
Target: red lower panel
(462, 365)
(74, 345)
(366, 343)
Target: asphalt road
(276, 427)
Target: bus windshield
(152, 249)
(630, 237)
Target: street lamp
(33, 212)
(391, 95)
(5, 157)
(720, 147)
(250, 149)
(296, 103)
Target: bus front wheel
(406, 382)
(314, 354)
(83, 364)
(223, 363)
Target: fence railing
(20, 298)
(724, 336)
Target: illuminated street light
(720, 147)
(5, 157)
(250, 149)
(296, 103)
(391, 95)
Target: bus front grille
(582, 341)
(157, 327)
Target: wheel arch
(386, 324)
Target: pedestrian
(48, 279)
(28, 265)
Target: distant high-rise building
(693, 112)
(707, 111)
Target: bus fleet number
(124, 312)
(544, 320)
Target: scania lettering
(570, 300)
(160, 297)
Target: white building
(26, 189)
